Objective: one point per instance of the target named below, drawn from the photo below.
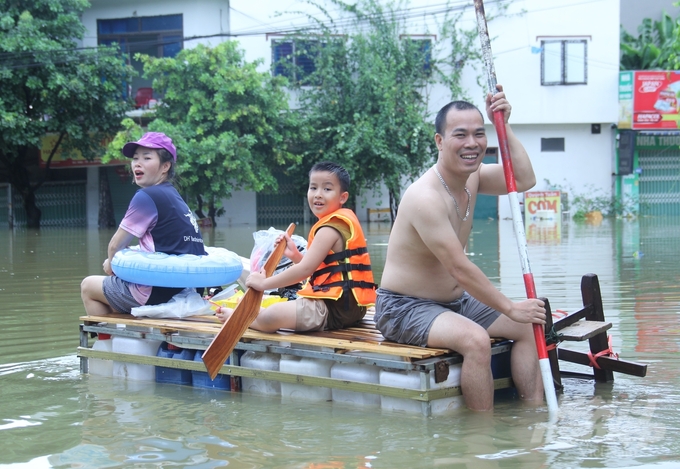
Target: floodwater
(52, 416)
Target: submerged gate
(658, 158)
(61, 204)
(280, 208)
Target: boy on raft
(337, 264)
(158, 216)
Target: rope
(608, 352)
(552, 338)
(560, 313)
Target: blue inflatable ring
(157, 269)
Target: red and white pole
(518, 224)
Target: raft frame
(198, 332)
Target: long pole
(499, 123)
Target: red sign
(545, 204)
(656, 99)
(543, 216)
(61, 160)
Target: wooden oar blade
(231, 332)
(244, 315)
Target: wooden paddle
(244, 314)
(499, 124)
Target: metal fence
(659, 182)
(61, 204)
(285, 206)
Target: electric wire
(13, 60)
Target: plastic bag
(184, 304)
(264, 245)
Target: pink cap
(151, 140)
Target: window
(552, 144)
(294, 58)
(156, 36)
(563, 62)
(423, 47)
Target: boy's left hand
(256, 280)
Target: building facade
(557, 59)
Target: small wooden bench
(589, 324)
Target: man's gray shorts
(408, 319)
(118, 294)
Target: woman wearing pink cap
(158, 217)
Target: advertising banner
(649, 100)
(543, 216)
(74, 159)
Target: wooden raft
(367, 346)
(364, 341)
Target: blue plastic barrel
(500, 365)
(173, 375)
(201, 379)
(500, 368)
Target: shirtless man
(431, 294)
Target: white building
(557, 59)
(558, 62)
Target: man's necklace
(467, 210)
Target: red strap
(609, 352)
(560, 313)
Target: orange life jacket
(332, 277)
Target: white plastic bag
(264, 245)
(184, 304)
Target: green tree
(655, 47)
(367, 100)
(231, 124)
(50, 85)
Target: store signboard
(61, 159)
(649, 100)
(543, 216)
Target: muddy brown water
(52, 416)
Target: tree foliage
(49, 85)
(655, 47)
(367, 101)
(231, 124)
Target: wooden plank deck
(363, 337)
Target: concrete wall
(518, 68)
(241, 208)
